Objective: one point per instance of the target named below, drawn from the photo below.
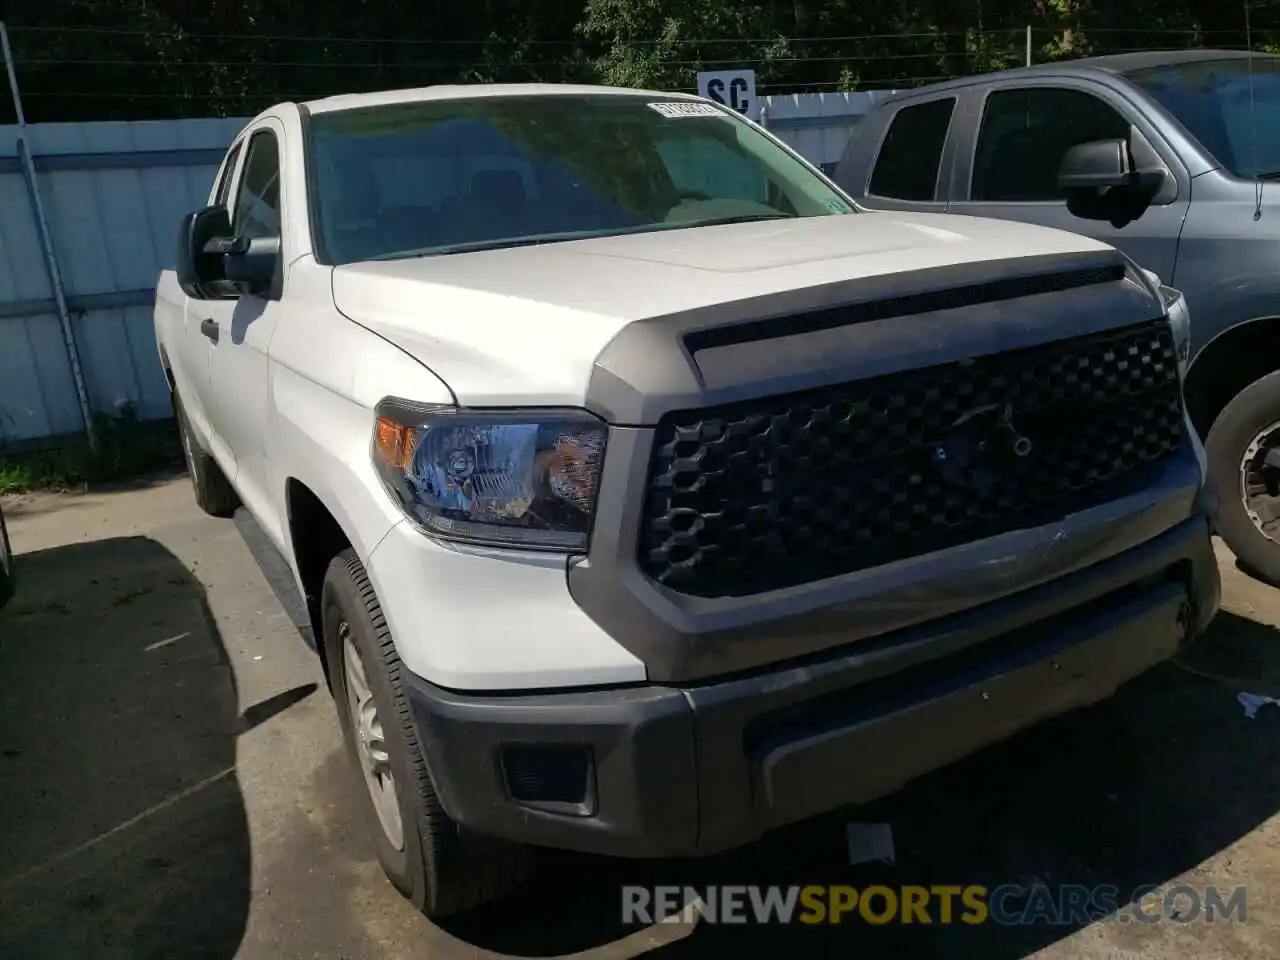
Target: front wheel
(442, 869)
(1243, 449)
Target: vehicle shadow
(1134, 791)
(124, 831)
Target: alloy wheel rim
(1260, 481)
(371, 743)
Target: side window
(907, 165)
(257, 212)
(228, 171)
(1025, 134)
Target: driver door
(239, 369)
(191, 365)
(1011, 171)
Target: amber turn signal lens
(394, 443)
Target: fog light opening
(555, 778)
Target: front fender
(1226, 302)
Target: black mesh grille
(789, 489)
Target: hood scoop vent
(890, 306)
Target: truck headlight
(1175, 305)
(525, 478)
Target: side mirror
(212, 264)
(201, 274)
(1102, 181)
(1097, 165)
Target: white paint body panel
(524, 325)
(292, 401)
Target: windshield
(447, 176)
(1232, 108)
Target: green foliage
(136, 59)
(127, 448)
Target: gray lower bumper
(672, 771)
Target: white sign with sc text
(736, 89)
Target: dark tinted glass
(907, 165)
(1025, 134)
(1231, 106)
(447, 176)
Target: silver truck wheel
(442, 868)
(371, 742)
(1243, 448)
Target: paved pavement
(172, 785)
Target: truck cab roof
(473, 91)
(1117, 64)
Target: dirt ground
(172, 785)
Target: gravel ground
(173, 785)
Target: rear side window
(907, 166)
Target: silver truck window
(1026, 132)
(907, 164)
(1231, 106)
(257, 212)
(447, 176)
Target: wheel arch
(1233, 359)
(316, 536)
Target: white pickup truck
(645, 493)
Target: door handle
(209, 327)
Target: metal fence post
(46, 245)
(1028, 44)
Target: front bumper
(671, 771)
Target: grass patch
(127, 448)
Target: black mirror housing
(254, 266)
(1096, 165)
(1103, 180)
(200, 273)
(213, 264)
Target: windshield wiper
(503, 243)
(741, 218)
(477, 245)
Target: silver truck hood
(528, 324)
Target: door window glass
(1026, 133)
(257, 212)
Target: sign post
(736, 89)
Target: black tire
(6, 563)
(1253, 410)
(214, 493)
(441, 869)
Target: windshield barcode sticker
(686, 108)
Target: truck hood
(525, 325)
